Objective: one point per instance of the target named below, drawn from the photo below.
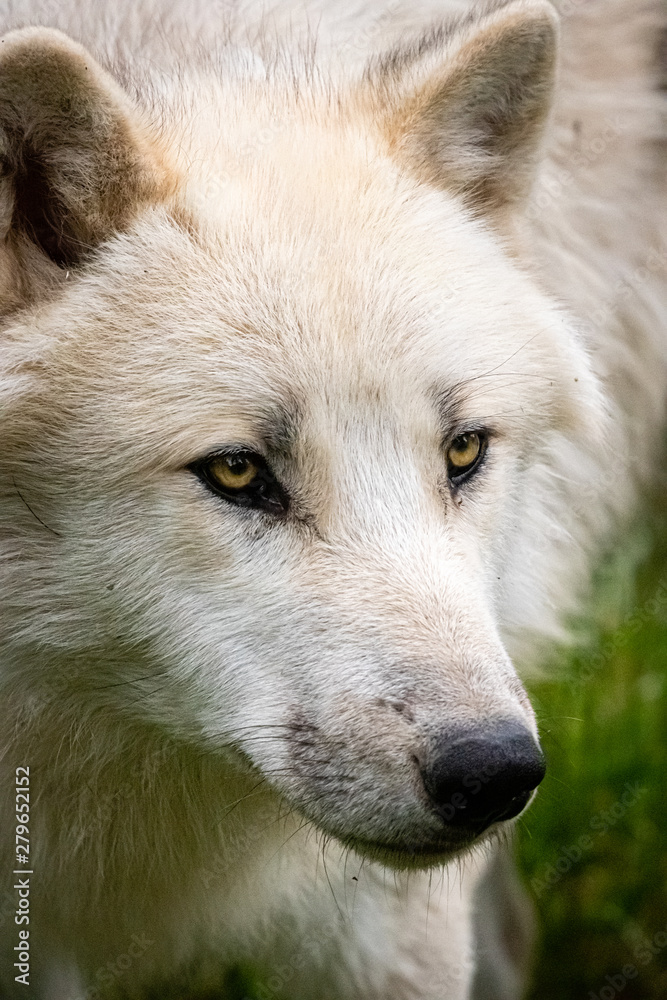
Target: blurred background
(593, 848)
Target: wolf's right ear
(76, 162)
(465, 109)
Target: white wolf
(333, 345)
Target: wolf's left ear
(76, 160)
(466, 110)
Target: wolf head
(280, 407)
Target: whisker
(36, 516)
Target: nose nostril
(477, 779)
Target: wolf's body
(261, 247)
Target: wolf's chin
(404, 858)
(417, 857)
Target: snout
(475, 778)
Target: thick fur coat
(339, 238)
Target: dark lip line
(451, 849)
(358, 843)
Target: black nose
(476, 778)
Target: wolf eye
(233, 472)
(464, 455)
(243, 478)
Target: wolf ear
(469, 109)
(75, 162)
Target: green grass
(604, 729)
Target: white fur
(164, 655)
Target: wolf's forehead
(367, 326)
(312, 388)
(334, 274)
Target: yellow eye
(242, 478)
(463, 453)
(233, 472)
